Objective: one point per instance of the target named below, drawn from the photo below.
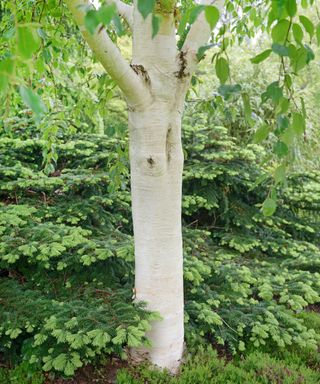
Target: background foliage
(67, 254)
(66, 249)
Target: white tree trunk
(155, 85)
(156, 161)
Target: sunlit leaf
(33, 101)
(145, 7)
(261, 57)
(222, 69)
(212, 15)
(28, 41)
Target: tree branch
(198, 35)
(110, 57)
(124, 10)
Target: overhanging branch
(125, 11)
(110, 57)
(198, 35)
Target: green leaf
(279, 32)
(278, 9)
(298, 123)
(69, 369)
(100, 338)
(261, 57)
(299, 61)
(273, 92)
(195, 12)
(280, 149)
(308, 25)
(241, 346)
(183, 22)
(145, 7)
(269, 207)
(288, 136)
(283, 105)
(156, 20)
(6, 69)
(4, 82)
(297, 33)
(133, 341)
(48, 363)
(120, 337)
(280, 173)
(202, 50)
(59, 362)
(310, 53)
(318, 35)
(33, 101)
(212, 15)
(288, 81)
(247, 108)
(75, 360)
(91, 21)
(118, 25)
(280, 49)
(227, 90)
(291, 6)
(261, 134)
(282, 123)
(222, 69)
(28, 41)
(40, 65)
(106, 13)
(7, 66)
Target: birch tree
(155, 84)
(166, 48)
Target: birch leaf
(145, 7)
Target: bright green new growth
(67, 257)
(166, 6)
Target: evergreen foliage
(66, 250)
(254, 272)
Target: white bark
(156, 161)
(110, 57)
(199, 35)
(156, 181)
(125, 10)
(155, 85)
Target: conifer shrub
(255, 273)
(66, 250)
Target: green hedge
(66, 250)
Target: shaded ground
(90, 375)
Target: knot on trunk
(152, 164)
(150, 161)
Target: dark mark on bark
(140, 70)
(183, 66)
(150, 161)
(168, 146)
